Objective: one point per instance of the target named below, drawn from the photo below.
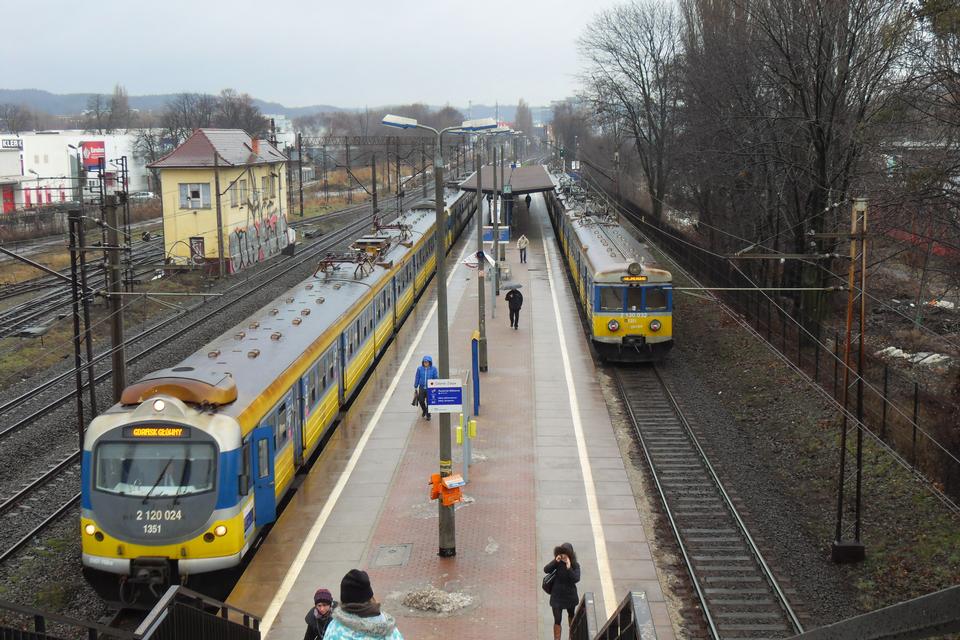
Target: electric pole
(373, 177)
(481, 261)
(114, 285)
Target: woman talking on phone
(565, 572)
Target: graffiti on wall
(260, 240)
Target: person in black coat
(319, 617)
(564, 595)
(514, 300)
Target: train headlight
(635, 269)
(613, 325)
(220, 530)
(89, 529)
(159, 405)
(654, 325)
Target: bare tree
(634, 74)
(187, 112)
(14, 118)
(237, 111)
(523, 120)
(120, 115)
(98, 114)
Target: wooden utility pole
(114, 286)
(373, 177)
(853, 550)
(299, 169)
(216, 188)
(349, 184)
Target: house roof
(235, 147)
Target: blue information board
(444, 396)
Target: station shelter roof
(235, 147)
(522, 180)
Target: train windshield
(155, 469)
(656, 299)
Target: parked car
(143, 195)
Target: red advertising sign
(93, 153)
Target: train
(183, 473)
(626, 298)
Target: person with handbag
(426, 371)
(563, 574)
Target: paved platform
(547, 470)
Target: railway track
(39, 503)
(739, 594)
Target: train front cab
(632, 323)
(163, 496)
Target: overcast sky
(347, 53)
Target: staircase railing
(631, 621)
(928, 616)
(45, 624)
(182, 613)
(584, 623)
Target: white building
(48, 163)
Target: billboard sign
(93, 153)
(11, 143)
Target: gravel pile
(436, 600)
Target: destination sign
(633, 279)
(156, 432)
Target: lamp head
(399, 122)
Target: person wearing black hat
(359, 617)
(319, 617)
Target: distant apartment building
(246, 214)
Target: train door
(342, 367)
(396, 319)
(298, 413)
(265, 500)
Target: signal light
(613, 325)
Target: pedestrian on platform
(563, 594)
(514, 301)
(522, 244)
(527, 200)
(320, 616)
(426, 371)
(359, 617)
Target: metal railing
(928, 616)
(631, 621)
(584, 623)
(39, 625)
(182, 613)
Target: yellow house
(248, 207)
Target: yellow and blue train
(626, 298)
(180, 476)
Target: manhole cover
(392, 555)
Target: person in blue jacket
(426, 371)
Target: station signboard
(445, 396)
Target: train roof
(239, 367)
(606, 244)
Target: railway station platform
(547, 469)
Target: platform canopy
(522, 180)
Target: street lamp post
(448, 537)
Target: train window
(263, 459)
(656, 299)
(611, 298)
(313, 387)
(282, 423)
(155, 468)
(634, 298)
